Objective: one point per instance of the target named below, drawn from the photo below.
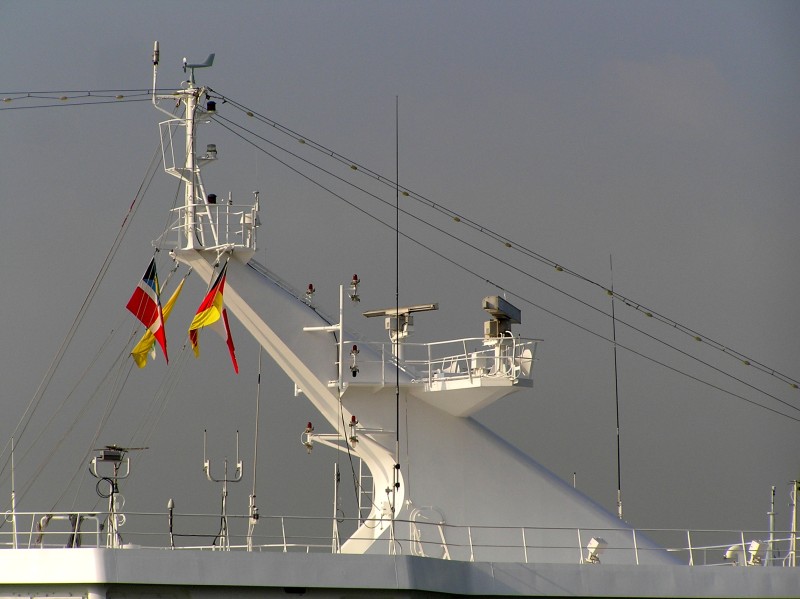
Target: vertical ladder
(366, 491)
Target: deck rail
(508, 357)
(431, 539)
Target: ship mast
(189, 171)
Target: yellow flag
(146, 344)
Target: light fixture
(305, 438)
(353, 435)
(756, 550)
(310, 293)
(353, 365)
(354, 289)
(595, 547)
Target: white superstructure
(477, 517)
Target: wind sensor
(199, 65)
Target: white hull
(106, 573)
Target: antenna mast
(189, 172)
(616, 389)
(396, 480)
(223, 536)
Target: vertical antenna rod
(13, 500)
(253, 508)
(397, 303)
(616, 389)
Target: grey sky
(665, 134)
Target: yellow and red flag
(147, 344)
(145, 304)
(212, 313)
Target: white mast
(190, 99)
(189, 173)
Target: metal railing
(432, 539)
(464, 359)
(215, 225)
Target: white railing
(215, 226)
(435, 540)
(465, 359)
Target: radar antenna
(399, 322)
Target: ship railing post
(691, 552)
(471, 549)
(445, 548)
(469, 371)
(744, 550)
(635, 546)
(430, 372)
(227, 221)
(283, 532)
(524, 546)
(580, 547)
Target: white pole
(335, 529)
(341, 344)
(189, 197)
(771, 515)
(795, 486)
(13, 500)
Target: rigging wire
(72, 104)
(55, 413)
(67, 433)
(518, 296)
(77, 418)
(457, 218)
(353, 165)
(509, 265)
(143, 188)
(149, 421)
(65, 98)
(26, 417)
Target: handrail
(470, 543)
(427, 363)
(230, 224)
